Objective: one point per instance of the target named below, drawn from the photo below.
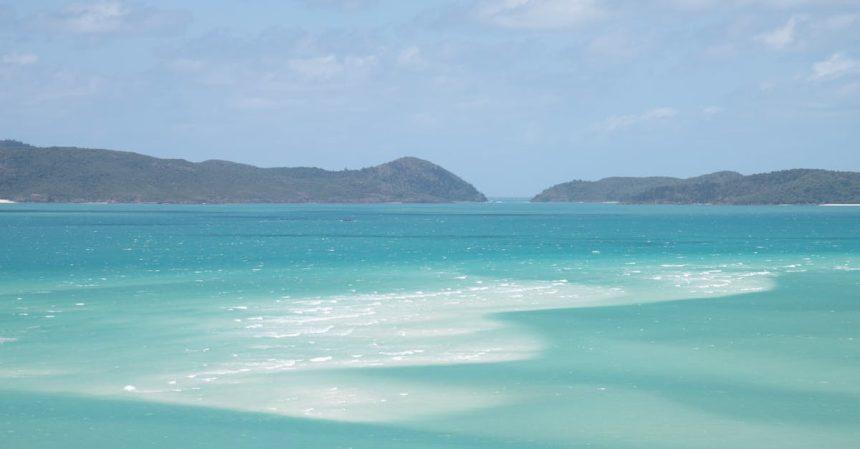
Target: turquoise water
(500, 325)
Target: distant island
(75, 175)
(799, 186)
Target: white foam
(690, 282)
(307, 339)
(845, 268)
(446, 326)
(408, 328)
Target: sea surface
(498, 325)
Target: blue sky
(513, 95)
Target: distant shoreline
(83, 175)
(794, 186)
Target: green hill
(799, 186)
(60, 174)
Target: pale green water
(506, 325)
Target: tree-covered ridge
(798, 186)
(63, 174)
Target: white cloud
(58, 88)
(837, 22)
(252, 103)
(95, 18)
(849, 89)
(19, 58)
(411, 57)
(620, 122)
(615, 46)
(344, 4)
(782, 36)
(279, 69)
(317, 67)
(712, 110)
(539, 14)
(836, 66)
(113, 17)
(329, 66)
(778, 4)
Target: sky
(512, 95)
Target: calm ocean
(498, 325)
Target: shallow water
(473, 325)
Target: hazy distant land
(799, 186)
(75, 175)
(67, 174)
